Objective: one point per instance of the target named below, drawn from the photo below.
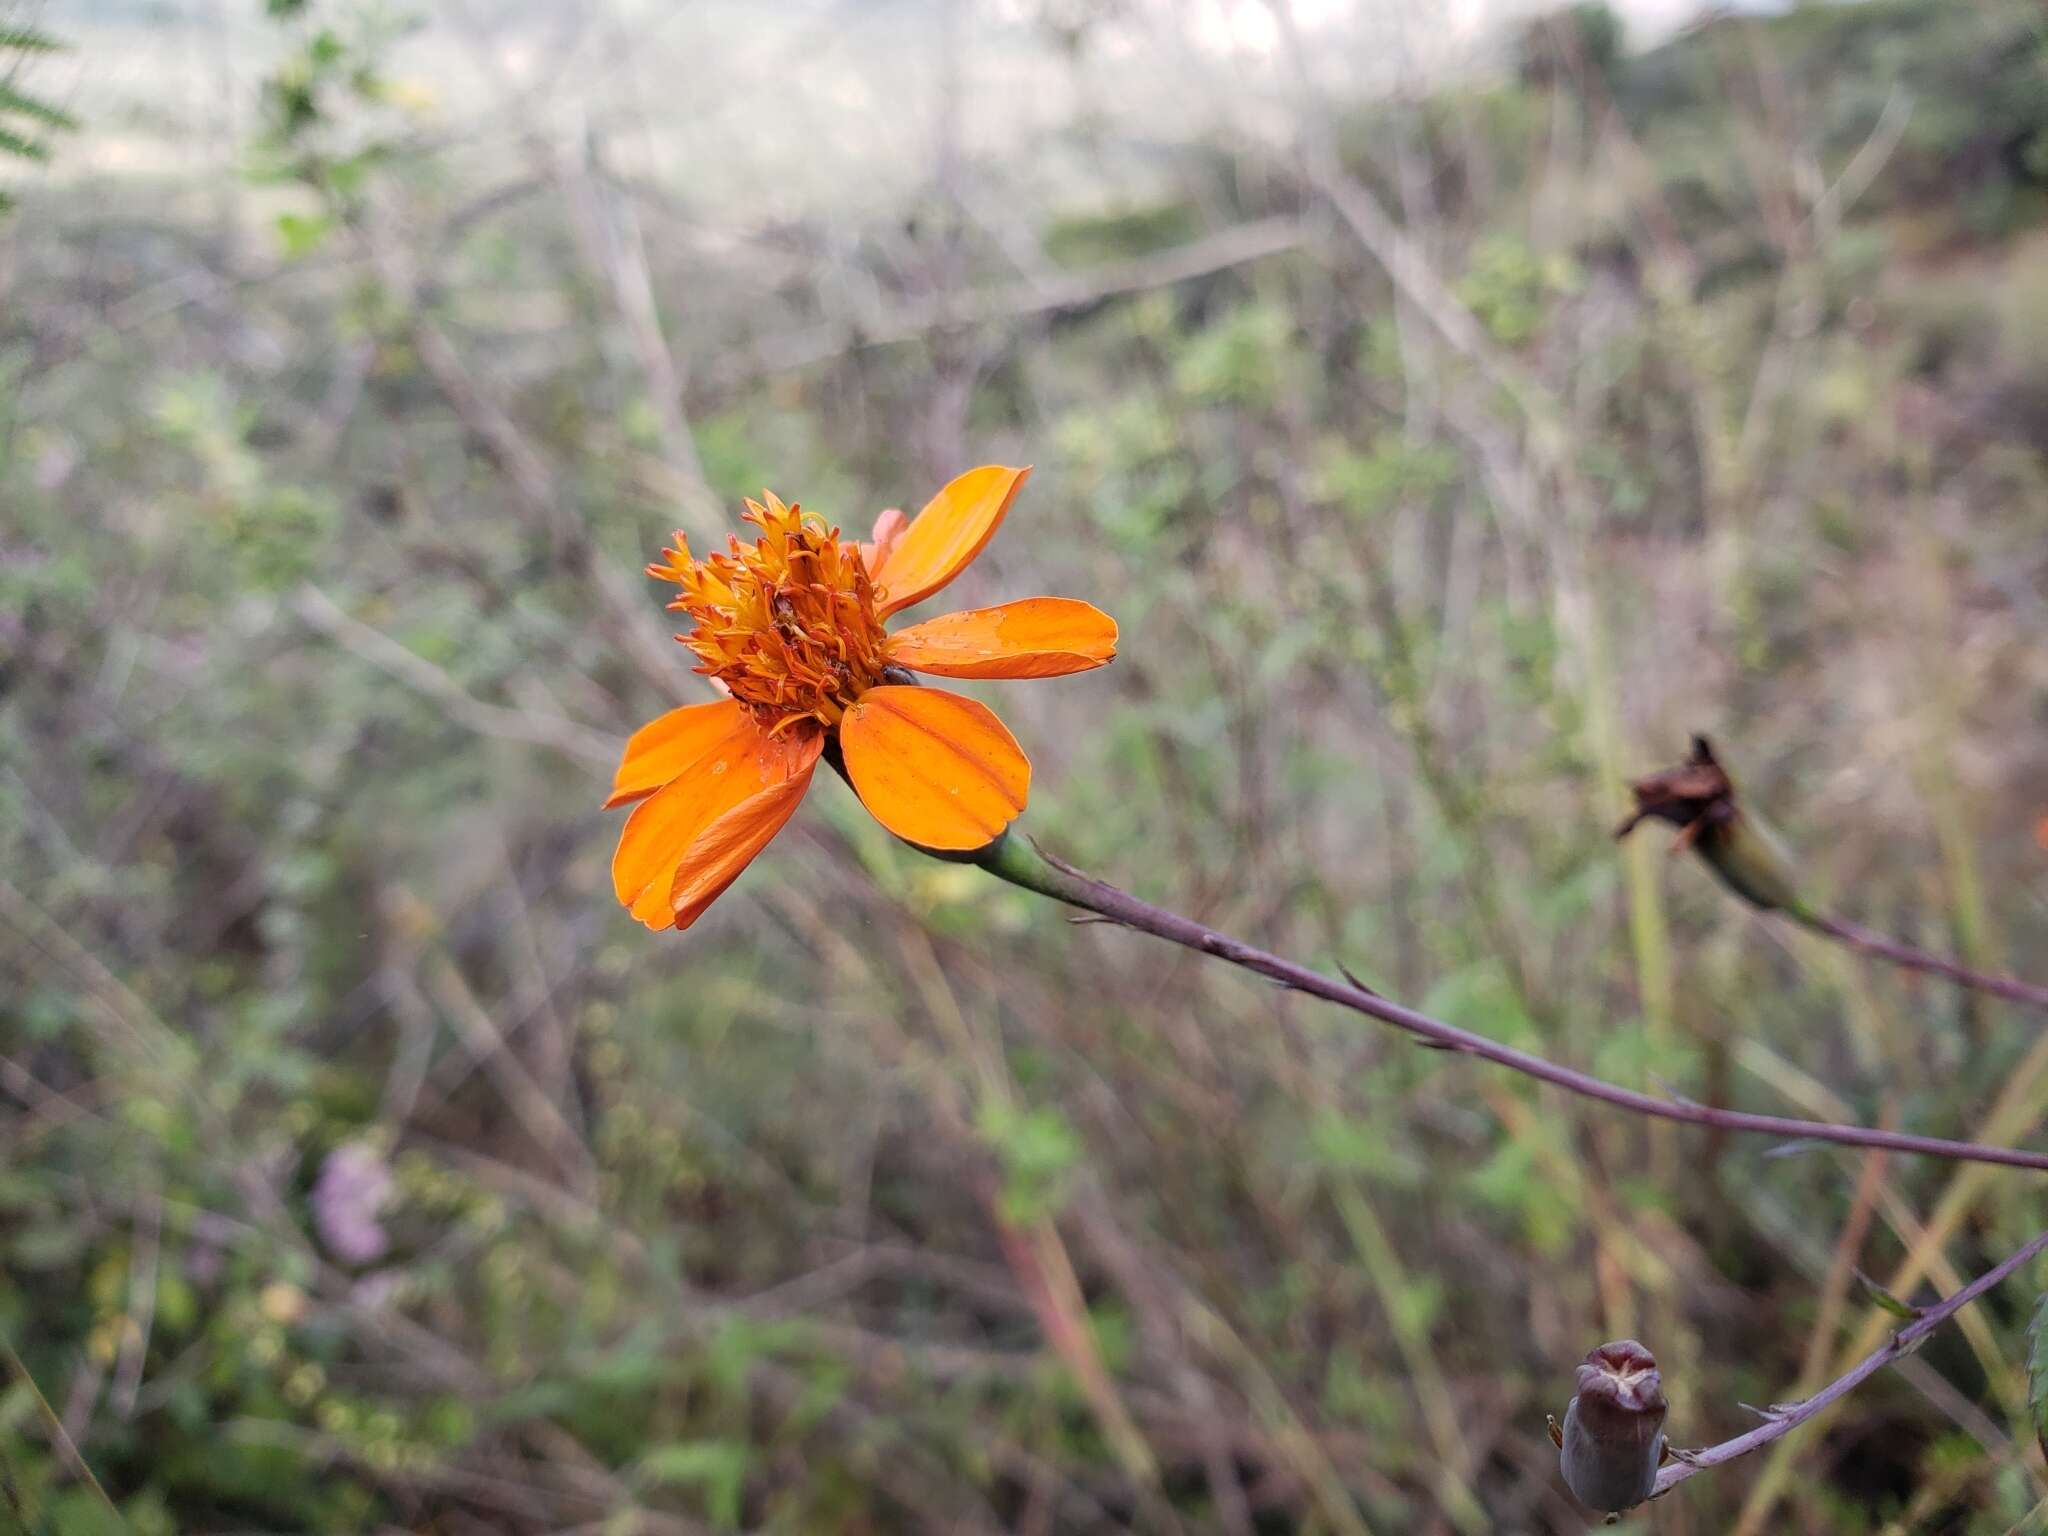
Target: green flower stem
(1022, 863)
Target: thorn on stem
(1670, 1092)
(1352, 977)
(1056, 861)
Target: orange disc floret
(789, 626)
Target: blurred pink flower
(353, 1187)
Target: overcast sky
(785, 104)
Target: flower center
(789, 626)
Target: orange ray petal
(667, 744)
(934, 768)
(946, 535)
(729, 844)
(888, 529)
(709, 812)
(1033, 637)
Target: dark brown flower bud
(1613, 1437)
(1699, 799)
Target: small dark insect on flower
(1698, 798)
(1612, 1441)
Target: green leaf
(824, 1389)
(1883, 1299)
(23, 105)
(303, 233)
(27, 40)
(1355, 1144)
(77, 1512)
(719, 1467)
(1038, 1151)
(730, 1353)
(12, 143)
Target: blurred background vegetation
(362, 1166)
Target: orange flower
(791, 631)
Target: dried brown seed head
(1698, 791)
(1698, 798)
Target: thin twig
(1011, 859)
(142, 1272)
(1010, 302)
(541, 1117)
(525, 473)
(615, 238)
(1782, 1419)
(1857, 937)
(60, 1438)
(1864, 166)
(1405, 264)
(323, 613)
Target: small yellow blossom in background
(790, 630)
(282, 1303)
(110, 1336)
(414, 97)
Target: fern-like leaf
(27, 40)
(12, 143)
(24, 105)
